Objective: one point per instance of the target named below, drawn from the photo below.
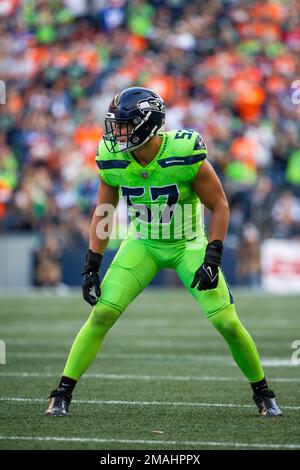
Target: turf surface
(163, 379)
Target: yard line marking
(144, 403)
(144, 441)
(268, 362)
(123, 355)
(277, 362)
(175, 378)
(138, 342)
(164, 345)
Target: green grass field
(163, 379)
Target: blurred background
(226, 68)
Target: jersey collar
(161, 150)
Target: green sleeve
(103, 157)
(189, 145)
(198, 155)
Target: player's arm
(107, 195)
(100, 230)
(210, 191)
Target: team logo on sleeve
(199, 143)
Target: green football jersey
(161, 200)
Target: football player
(164, 177)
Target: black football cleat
(266, 403)
(59, 403)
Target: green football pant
(134, 266)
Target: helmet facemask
(120, 134)
(127, 134)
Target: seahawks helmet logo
(150, 104)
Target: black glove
(207, 276)
(91, 282)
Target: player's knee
(231, 328)
(228, 327)
(104, 315)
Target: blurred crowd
(226, 68)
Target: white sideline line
(268, 362)
(175, 378)
(143, 403)
(144, 441)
